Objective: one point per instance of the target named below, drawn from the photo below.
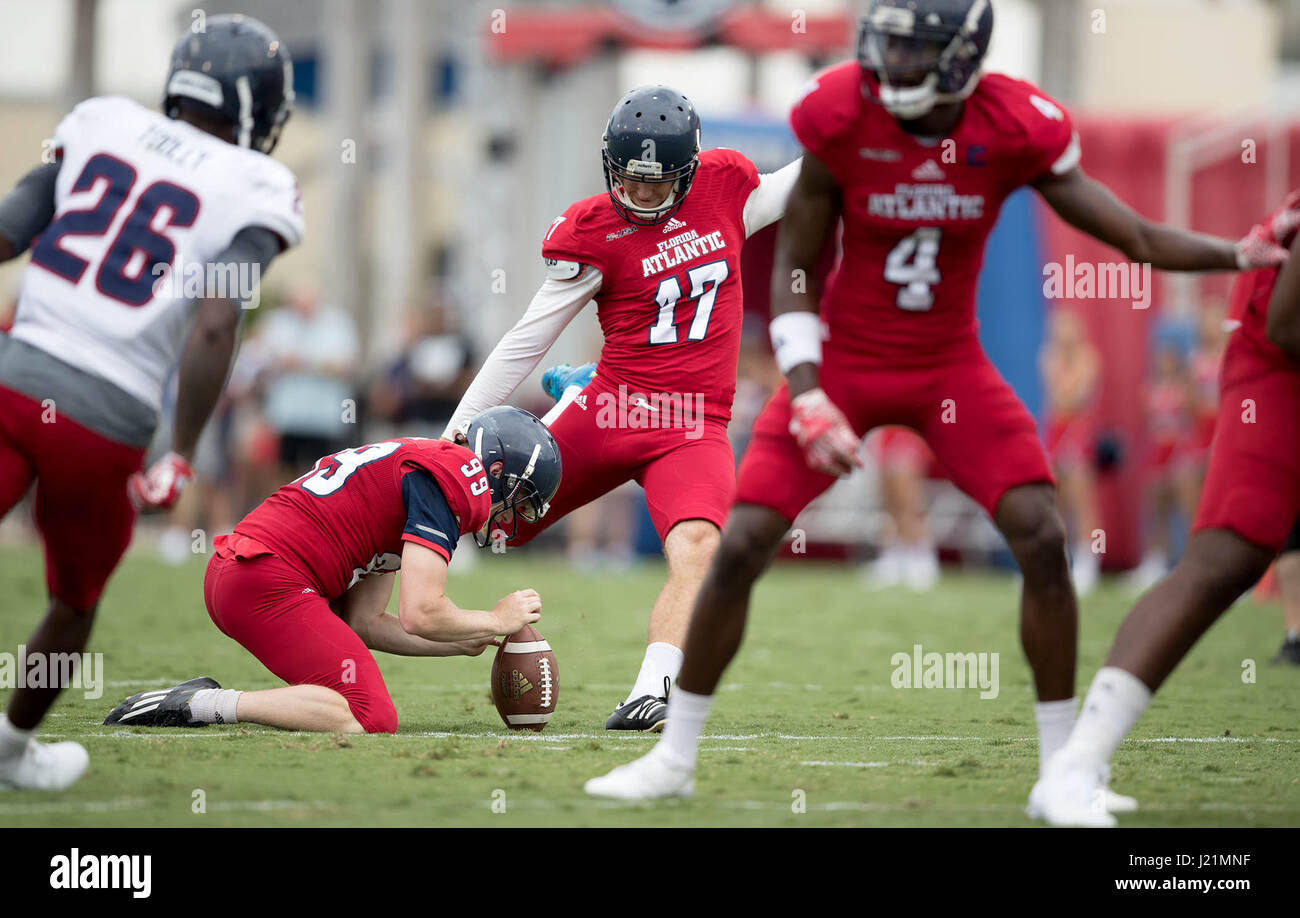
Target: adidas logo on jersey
(928, 171)
(674, 224)
(581, 401)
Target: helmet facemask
(651, 173)
(514, 494)
(916, 66)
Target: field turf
(807, 714)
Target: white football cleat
(1111, 802)
(1072, 795)
(44, 766)
(655, 775)
(1115, 803)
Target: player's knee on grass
(373, 710)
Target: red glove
(828, 442)
(160, 486)
(1259, 248)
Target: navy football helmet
(522, 464)
(237, 71)
(653, 136)
(916, 54)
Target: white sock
(661, 661)
(215, 706)
(13, 740)
(1113, 705)
(686, 715)
(1055, 721)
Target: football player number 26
(704, 282)
(127, 270)
(911, 264)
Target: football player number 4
(911, 264)
(704, 282)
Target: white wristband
(796, 339)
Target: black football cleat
(162, 707)
(1289, 652)
(647, 714)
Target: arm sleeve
(522, 348)
(29, 207)
(429, 518)
(766, 203)
(249, 254)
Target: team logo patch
(618, 234)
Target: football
(525, 680)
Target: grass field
(809, 707)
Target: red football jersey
(1248, 301)
(345, 518)
(670, 303)
(917, 215)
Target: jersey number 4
(911, 263)
(127, 270)
(705, 281)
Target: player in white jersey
(149, 234)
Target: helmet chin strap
(643, 212)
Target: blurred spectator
(907, 554)
(1071, 372)
(1207, 356)
(757, 377)
(311, 354)
(416, 393)
(1170, 427)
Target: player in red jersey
(918, 151)
(660, 255)
(303, 582)
(1247, 510)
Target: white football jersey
(137, 190)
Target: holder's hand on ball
(475, 646)
(520, 608)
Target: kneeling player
(304, 580)
(1247, 509)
